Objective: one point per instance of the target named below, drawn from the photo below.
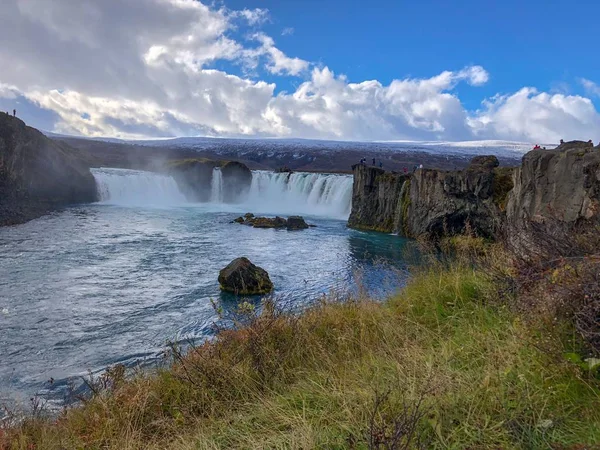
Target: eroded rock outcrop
(194, 178)
(557, 185)
(237, 178)
(241, 277)
(445, 203)
(430, 202)
(37, 174)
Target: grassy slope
(485, 378)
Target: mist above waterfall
(316, 194)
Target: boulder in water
(267, 222)
(296, 223)
(241, 277)
(292, 223)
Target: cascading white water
(136, 188)
(216, 186)
(300, 193)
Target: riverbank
(455, 360)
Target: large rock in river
(241, 277)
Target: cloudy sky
(331, 69)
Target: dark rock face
(296, 223)
(445, 202)
(194, 178)
(291, 224)
(429, 202)
(241, 277)
(561, 184)
(375, 198)
(37, 174)
(237, 179)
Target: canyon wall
(560, 185)
(37, 174)
(430, 202)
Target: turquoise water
(101, 284)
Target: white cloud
(289, 31)
(590, 87)
(279, 63)
(475, 75)
(7, 91)
(534, 116)
(256, 16)
(117, 68)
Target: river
(112, 282)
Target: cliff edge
(430, 202)
(37, 174)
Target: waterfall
(300, 193)
(303, 193)
(216, 186)
(136, 188)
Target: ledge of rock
(430, 202)
(241, 277)
(291, 223)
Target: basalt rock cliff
(37, 174)
(430, 202)
(551, 186)
(561, 184)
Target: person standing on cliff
(14, 113)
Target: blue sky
(544, 44)
(375, 70)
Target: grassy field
(447, 363)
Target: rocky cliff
(551, 186)
(38, 174)
(430, 202)
(561, 184)
(375, 195)
(194, 178)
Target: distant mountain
(305, 154)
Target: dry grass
(442, 365)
